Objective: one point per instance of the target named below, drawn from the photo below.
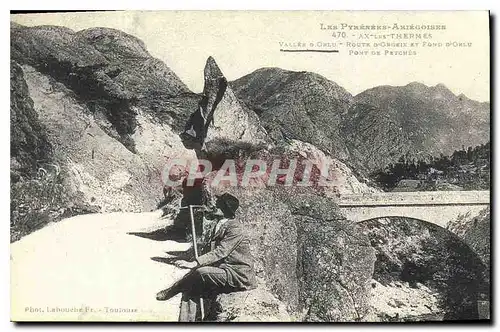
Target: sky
(242, 42)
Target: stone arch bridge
(437, 207)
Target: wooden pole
(195, 247)
(193, 232)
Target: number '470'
(339, 34)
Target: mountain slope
(297, 105)
(109, 70)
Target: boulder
(306, 251)
(257, 305)
(336, 264)
(271, 226)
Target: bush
(39, 200)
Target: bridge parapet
(420, 198)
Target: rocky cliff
(29, 141)
(475, 231)
(111, 115)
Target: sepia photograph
(250, 166)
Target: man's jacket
(230, 250)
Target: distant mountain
(415, 121)
(297, 105)
(371, 130)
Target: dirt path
(89, 268)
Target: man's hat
(228, 204)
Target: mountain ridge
(411, 120)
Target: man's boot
(166, 294)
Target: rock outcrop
(307, 255)
(220, 121)
(341, 179)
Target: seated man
(227, 267)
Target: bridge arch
(435, 207)
(439, 215)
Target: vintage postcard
(250, 166)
